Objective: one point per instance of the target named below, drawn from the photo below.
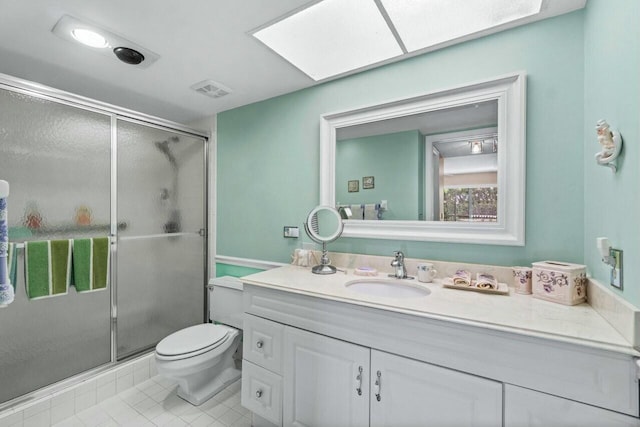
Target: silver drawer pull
(378, 386)
(359, 379)
(259, 394)
(259, 344)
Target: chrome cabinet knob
(259, 344)
(259, 394)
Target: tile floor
(155, 403)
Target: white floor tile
(93, 417)
(218, 410)
(152, 403)
(229, 417)
(150, 387)
(132, 396)
(164, 382)
(243, 422)
(70, 422)
(168, 419)
(204, 420)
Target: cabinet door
(405, 392)
(326, 381)
(524, 407)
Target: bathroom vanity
(319, 354)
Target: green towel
(47, 268)
(91, 264)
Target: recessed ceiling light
(89, 38)
(421, 24)
(332, 37)
(94, 35)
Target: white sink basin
(387, 288)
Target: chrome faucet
(398, 265)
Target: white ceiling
(196, 40)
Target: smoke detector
(211, 89)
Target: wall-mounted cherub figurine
(611, 143)
(605, 137)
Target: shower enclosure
(79, 168)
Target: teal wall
(612, 92)
(268, 152)
(393, 160)
(580, 67)
(234, 270)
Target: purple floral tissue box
(559, 282)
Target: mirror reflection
(439, 165)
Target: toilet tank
(225, 301)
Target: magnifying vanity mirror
(445, 166)
(324, 225)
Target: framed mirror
(445, 166)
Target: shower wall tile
(123, 383)
(42, 419)
(41, 405)
(62, 411)
(153, 370)
(103, 379)
(62, 397)
(11, 418)
(140, 372)
(124, 371)
(105, 391)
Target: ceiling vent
(211, 89)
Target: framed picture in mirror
(367, 182)
(353, 186)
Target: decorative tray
(502, 289)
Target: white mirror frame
(510, 92)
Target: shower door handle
(201, 232)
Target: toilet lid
(192, 339)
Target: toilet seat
(192, 341)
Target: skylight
(334, 37)
(421, 24)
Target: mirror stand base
(323, 269)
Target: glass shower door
(161, 246)
(57, 160)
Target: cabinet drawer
(262, 343)
(262, 392)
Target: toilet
(200, 358)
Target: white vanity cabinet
(433, 371)
(262, 368)
(529, 408)
(329, 382)
(325, 381)
(409, 393)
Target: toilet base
(200, 396)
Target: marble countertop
(515, 313)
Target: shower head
(164, 148)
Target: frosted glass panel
(160, 279)
(160, 289)
(160, 181)
(57, 161)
